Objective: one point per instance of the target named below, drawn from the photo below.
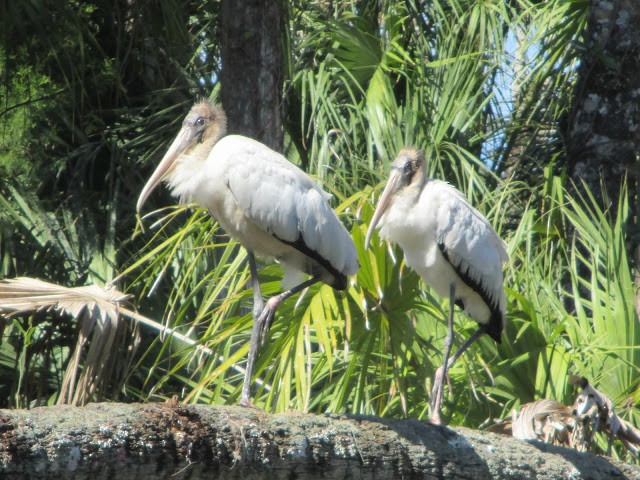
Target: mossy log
(134, 441)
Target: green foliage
(82, 86)
(20, 130)
(64, 246)
(365, 79)
(374, 349)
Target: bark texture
(252, 68)
(603, 139)
(128, 441)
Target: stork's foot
(266, 318)
(436, 420)
(247, 403)
(437, 394)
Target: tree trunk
(603, 139)
(128, 441)
(252, 68)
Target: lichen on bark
(603, 138)
(163, 440)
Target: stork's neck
(400, 216)
(411, 193)
(190, 172)
(202, 150)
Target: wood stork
(451, 246)
(262, 200)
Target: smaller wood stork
(451, 246)
(262, 200)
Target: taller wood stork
(262, 200)
(451, 246)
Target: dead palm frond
(575, 427)
(545, 420)
(24, 294)
(96, 309)
(594, 412)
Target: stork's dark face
(406, 169)
(205, 123)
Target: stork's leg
(437, 392)
(258, 302)
(477, 334)
(442, 372)
(266, 318)
(258, 307)
(261, 324)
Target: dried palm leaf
(594, 412)
(24, 294)
(501, 426)
(545, 420)
(96, 309)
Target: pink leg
(437, 392)
(261, 326)
(442, 373)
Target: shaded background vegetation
(92, 92)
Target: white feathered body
(422, 216)
(268, 205)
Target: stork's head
(406, 170)
(201, 129)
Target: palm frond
(96, 309)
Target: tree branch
(128, 441)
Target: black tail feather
(339, 278)
(494, 327)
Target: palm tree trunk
(252, 68)
(603, 138)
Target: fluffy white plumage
(262, 200)
(442, 215)
(445, 239)
(450, 244)
(259, 198)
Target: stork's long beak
(166, 166)
(393, 185)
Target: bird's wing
(285, 202)
(471, 244)
(462, 227)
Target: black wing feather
(339, 278)
(494, 327)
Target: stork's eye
(407, 169)
(200, 121)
